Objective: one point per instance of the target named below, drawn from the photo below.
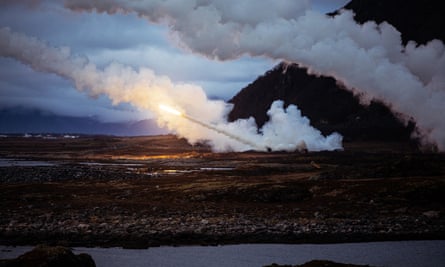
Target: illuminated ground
(147, 191)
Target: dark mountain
(325, 102)
(34, 121)
(420, 21)
(329, 107)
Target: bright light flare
(170, 110)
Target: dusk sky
(102, 38)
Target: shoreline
(195, 239)
(390, 254)
(143, 245)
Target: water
(400, 253)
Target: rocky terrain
(150, 191)
(46, 256)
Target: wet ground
(149, 191)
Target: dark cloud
(54, 94)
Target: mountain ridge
(20, 120)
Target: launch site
(222, 133)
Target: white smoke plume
(369, 59)
(287, 129)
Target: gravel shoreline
(118, 238)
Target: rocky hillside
(329, 107)
(324, 101)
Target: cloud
(221, 79)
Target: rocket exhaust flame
(211, 127)
(170, 110)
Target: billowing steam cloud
(287, 129)
(369, 59)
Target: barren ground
(149, 191)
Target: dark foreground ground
(150, 191)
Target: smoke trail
(369, 59)
(145, 90)
(120, 83)
(211, 127)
